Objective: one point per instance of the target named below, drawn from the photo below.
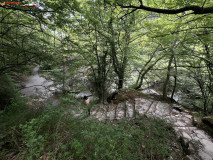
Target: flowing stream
(37, 86)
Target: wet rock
(150, 91)
(187, 158)
(208, 121)
(178, 109)
(194, 121)
(124, 95)
(185, 145)
(82, 94)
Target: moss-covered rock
(124, 95)
(208, 121)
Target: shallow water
(38, 87)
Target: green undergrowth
(7, 91)
(16, 113)
(55, 134)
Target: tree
(23, 40)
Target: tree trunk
(145, 72)
(167, 77)
(120, 84)
(175, 77)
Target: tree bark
(175, 77)
(167, 77)
(119, 67)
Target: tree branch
(141, 3)
(28, 9)
(194, 8)
(133, 10)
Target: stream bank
(198, 144)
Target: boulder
(82, 94)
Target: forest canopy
(93, 79)
(118, 43)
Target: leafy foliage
(7, 91)
(48, 136)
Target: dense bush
(7, 91)
(56, 134)
(16, 113)
(60, 136)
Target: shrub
(59, 136)
(15, 114)
(7, 91)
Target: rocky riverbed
(198, 145)
(196, 142)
